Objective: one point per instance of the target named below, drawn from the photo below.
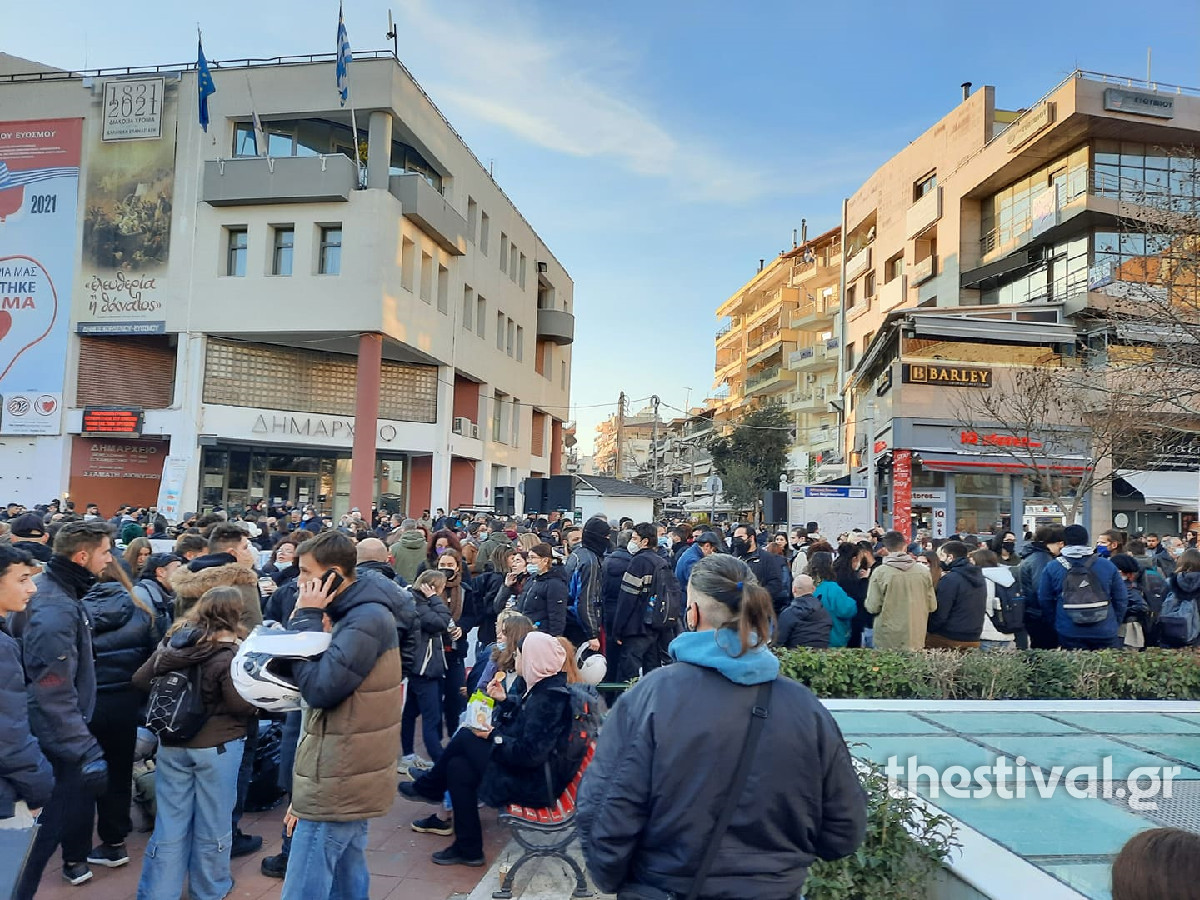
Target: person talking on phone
(345, 768)
(695, 791)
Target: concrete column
(189, 398)
(1098, 512)
(379, 149)
(440, 479)
(366, 419)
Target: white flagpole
(357, 154)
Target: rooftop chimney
(761, 263)
(804, 231)
(966, 86)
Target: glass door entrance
(296, 488)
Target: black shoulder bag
(758, 719)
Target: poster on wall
(902, 492)
(39, 188)
(130, 194)
(170, 489)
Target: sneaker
(274, 866)
(111, 856)
(409, 791)
(434, 825)
(245, 844)
(77, 873)
(412, 761)
(452, 857)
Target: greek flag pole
(343, 83)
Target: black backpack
(175, 711)
(1085, 598)
(662, 608)
(587, 715)
(1009, 614)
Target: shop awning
(1166, 488)
(932, 461)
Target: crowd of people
(486, 630)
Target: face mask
(664, 543)
(633, 547)
(450, 574)
(796, 546)
(945, 564)
(533, 569)
(500, 645)
(740, 546)
(1009, 546)
(440, 550)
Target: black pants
(638, 655)
(68, 789)
(245, 771)
(1042, 634)
(423, 700)
(114, 724)
(664, 635)
(453, 702)
(460, 771)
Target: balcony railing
(724, 330)
(763, 377)
(815, 310)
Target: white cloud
(563, 93)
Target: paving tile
(939, 751)
(1092, 879)
(1000, 723)
(858, 722)
(1178, 746)
(1083, 750)
(1131, 723)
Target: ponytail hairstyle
(821, 568)
(218, 610)
(729, 582)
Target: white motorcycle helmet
(593, 668)
(262, 667)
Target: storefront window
(924, 479)
(983, 503)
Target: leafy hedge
(1021, 675)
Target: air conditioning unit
(462, 425)
(810, 378)
(474, 431)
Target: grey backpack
(1179, 621)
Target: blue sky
(662, 148)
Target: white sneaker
(412, 761)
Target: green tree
(753, 454)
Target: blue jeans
(424, 700)
(195, 791)
(328, 860)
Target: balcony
(816, 312)
(924, 214)
(556, 326)
(818, 356)
(808, 399)
(428, 210)
(260, 180)
(768, 380)
(922, 271)
(893, 293)
(858, 263)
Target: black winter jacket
(403, 608)
(1034, 557)
(433, 620)
(766, 570)
(282, 603)
(544, 601)
(365, 629)
(645, 808)
(961, 603)
(528, 765)
(467, 619)
(487, 585)
(805, 622)
(615, 565)
(24, 772)
(56, 644)
(123, 635)
(159, 600)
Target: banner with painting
(127, 218)
(39, 189)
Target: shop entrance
(298, 489)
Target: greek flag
(343, 59)
(20, 178)
(204, 83)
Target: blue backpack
(575, 593)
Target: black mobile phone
(331, 581)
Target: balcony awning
(972, 463)
(1008, 265)
(1166, 488)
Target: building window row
(328, 259)
(512, 261)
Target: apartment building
(631, 435)
(1009, 224)
(235, 301)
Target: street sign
(713, 484)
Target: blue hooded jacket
(1050, 596)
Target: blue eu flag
(204, 83)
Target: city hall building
(224, 306)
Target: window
(850, 296)
(869, 286)
(893, 268)
(563, 379)
(481, 316)
(512, 337)
(484, 232)
(408, 264)
(524, 262)
(497, 416)
(924, 186)
(331, 250)
(281, 256)
(426, 277)
(244, 141)
(850, 357)
(520, 344)
(500, 335)
(443, 290)
(516, 422)
(408, 160)
(468, 308)
(237, 247)
(512, 264)
(503, 252)
(472, 218)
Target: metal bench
(546, 833)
